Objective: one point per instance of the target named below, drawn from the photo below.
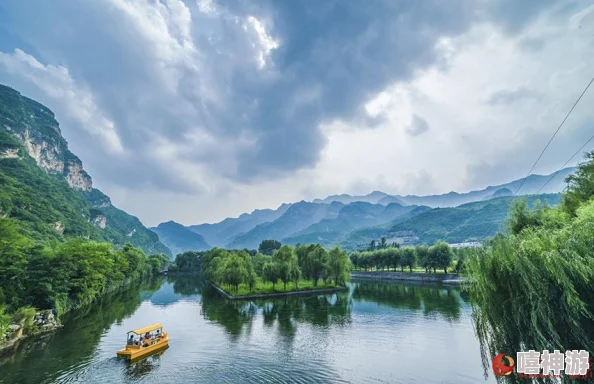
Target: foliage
(545, 262)
(47, 208)
(267, 247)
(439, 255)
(338, 265)
(241, 272)
(64, 275)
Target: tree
(371, 246)
(441, 256)
(270, 273)
(259, 260)
(580, 185)
(423, 257)
(233, 271)
(409, 258)
(314, 263)
(286, 261)
(338, 265)
(383, 243)
(267, 247)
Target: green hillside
(467, 222)
(179, 238)
(44, 187)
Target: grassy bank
(261, 287)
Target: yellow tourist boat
(143, 342)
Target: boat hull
(133, 352)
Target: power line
(563, 166)
(555, 134)
(545, 148)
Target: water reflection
(75, 343)
(322, 310)
(141, 368)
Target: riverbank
(444, 278)
(303, 292)
(42, 322)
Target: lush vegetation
(544, 262)
(287, 269)
(62, 275)
(438, 256)
(47, 207)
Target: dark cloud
(512, 96)
(332, 57)
(418, 126)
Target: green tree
(423, 259)
(580, 185)
(287, 265)
(409, 258)
(267, 247)
(339, 265)
(270, 273)
(441, 255)
(383, 243)
(233, 271)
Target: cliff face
(37, 129)
(40, 139)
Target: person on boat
(131, 340)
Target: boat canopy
(150, 328)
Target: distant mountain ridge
(531, 186)
(180, 238)
(350, 221)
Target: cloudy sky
(199, 110)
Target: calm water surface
(375, 333)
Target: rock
(14, 327)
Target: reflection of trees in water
(286, 313)
(187, 285)
(78, 339)
(431, 299)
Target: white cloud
(56, 83)
(264, 43)
(465, 129)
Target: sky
(194, 111)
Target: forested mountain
(220, 234)
(179, 238)
(353, 221)
(467, 222)
(297, 217)
(350, 218)
(45, 188)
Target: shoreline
(444, 278)
(304, 292)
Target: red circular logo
(499, 365)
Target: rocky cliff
(38, 138)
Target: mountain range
(44, 187)
(353, 221)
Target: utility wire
(563, 166)
(552, 137)
(545, 148)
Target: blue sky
(199, 110)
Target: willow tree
(339, 265)
(534, 288)
(286, 261)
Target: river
(374, 333)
